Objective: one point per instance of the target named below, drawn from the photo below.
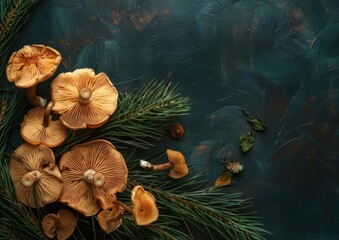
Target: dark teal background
(277, 59)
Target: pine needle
(142, 116)
(8, 104)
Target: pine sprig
(142, 116)
(8, 105)
(207, 208)
(17, 222)
(13, 15)
(185, 207)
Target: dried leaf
(224, 179)
(234, 167)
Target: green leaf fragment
(246, 141)
(256, 123)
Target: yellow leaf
(224, 179)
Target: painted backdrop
(278, 59)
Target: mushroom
(39, 128)
(177, 130)
(61, 225)
(36, 178)
(92, 173)
(84, 99)
(31, 65)
(178, 168)
(110, 219)
(144, 209)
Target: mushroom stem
(85, 94)
(159, 167)
(47, 114)
(95, 178)
(123, 205)
(111, 217)
(30, 178)
(33, 99)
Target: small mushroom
(36, 178)
(61, 225)
(110, 219)
(39, 128)
(31, 65)
(176, 164)
(144, 209)
(177, 130)
(84, 99)
(92, 173)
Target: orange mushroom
(61, 225)
(110, 219)
(176, 164)
(144, 209)
(177, 130)
(92, 173)
(84, 99)
(39, 128)
(36, 178)
(31, 65)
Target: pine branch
(142, 116)
(17, 222)
(183, 203)
(207, 208)
(13, 15)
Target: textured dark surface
(279, 60)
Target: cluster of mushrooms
(89, 175)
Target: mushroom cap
(145, 210)
(76, 114)
(107, 225)
(100, 156)
(179, 169)
(32, 64)
(34, 132)
(177, 130)
(48, 224)
(47, 189)
(61, 225)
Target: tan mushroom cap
(84, 99)
(110, 219)
(36, 178)
(61, 225)
(144, 210)
(92, 173)
(32, 64)
(180, 168)
(35, 131)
